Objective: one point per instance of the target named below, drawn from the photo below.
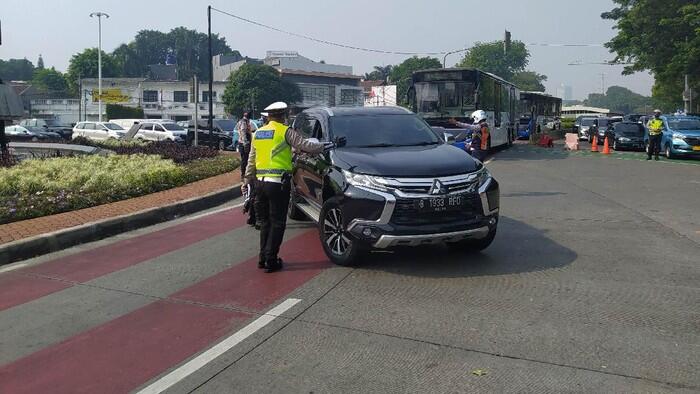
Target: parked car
(599, 128)
(223, 137)
(616, 119)
(50, 125)
(524, 126)
(127, 123)
(582, 126)
(390, 182)
(627, 135)
(681, 136)
(25, 134)
(636, 118)
(98, 131)
(161, 131)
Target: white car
(161, 131)
(127, 123)
(99, 131)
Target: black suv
(391, 182)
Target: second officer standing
(270, 167)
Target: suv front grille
(692, 141)
(406, 212)
(420, 187)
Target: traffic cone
(606, 146)
(594, 144)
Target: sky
(58, 29)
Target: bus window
(438, 99)
(498, 105)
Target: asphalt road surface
(592, 285)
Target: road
(592, 285)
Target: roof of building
(319, 74)
(162, 72)
(583, 108)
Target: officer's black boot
(274, 265)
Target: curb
(62, 239)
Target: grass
(36, 188)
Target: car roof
(358, 111)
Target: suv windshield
(457, 98)
(587, 121)
(603, 122)
(629, 129)
(684, 124)
(383, 130)
(113, 126)
(226, 124)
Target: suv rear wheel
(337, 243)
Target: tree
(380, 73)
(85, 65)
(529, 80)
(16, 70)
(662, 36)
(40, 63)
(491, 58)
(619, 99)
(401, 74)
(116, 111)
(50, 81)
(257, 83)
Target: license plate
(696, 148)
(441, 204)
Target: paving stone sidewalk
(32, 227)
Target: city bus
(540, 112)
(437, 95)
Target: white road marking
(217, 350)
(201, 215)
(13, 267)
(488, 161)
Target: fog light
(367, 232)
(492, 221)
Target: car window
(587, 121)
(172, 126)
(382, 130)
(89, 126)
(304, 125)
(318, 132)
(684, 124)
(112, 126)
(146, 126)
(158, 128)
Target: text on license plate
(441, 203)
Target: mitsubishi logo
(437, 188)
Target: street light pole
(444, 58)
(99, 16)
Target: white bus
(438, 95)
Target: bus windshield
(444, 99)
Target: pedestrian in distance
(656, 130)
(480, 133)
(270, 169)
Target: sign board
(112, 96)
(381, 96)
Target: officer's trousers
(272, 203)
(654, 145)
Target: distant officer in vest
(656, 130)
(480, 133)
(270, 167)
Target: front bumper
(375, 223)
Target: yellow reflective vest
(273, 155)
(656, 126)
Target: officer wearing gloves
(270, 168)
(480, 130)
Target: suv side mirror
(340, 142)
(449, 138)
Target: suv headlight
(624, 139)
(368, 181)
(678, 136)
(484, 176)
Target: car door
(88, 130)
(317, 165)
(158, 132)
(302, 176)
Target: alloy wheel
(334, 234)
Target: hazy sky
(58, 29)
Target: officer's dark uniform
(656, 128)
(270, 167)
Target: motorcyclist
(480, 133)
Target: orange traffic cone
(606, 147)
(594, 144)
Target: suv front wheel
(337, 243)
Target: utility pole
(602, 76)
(211, 84)
(687, 96)
(99, 16)
(196, 111)
(80, 97)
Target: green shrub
(116, 111)
(567, 124)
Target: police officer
(656, 129)
(480, 130)
(270, 167)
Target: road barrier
(594, 144)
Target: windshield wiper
(382, 145)
(425, 143)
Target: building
(378, 94)
(565, 92)
(582, 110)
(320, 83)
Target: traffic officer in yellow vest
(656, 129)
(270, 167)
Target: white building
(565, 92)
(159, 100)
(581, 110)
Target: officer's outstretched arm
(297, 141)
(250, 168)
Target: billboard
(112, 96)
